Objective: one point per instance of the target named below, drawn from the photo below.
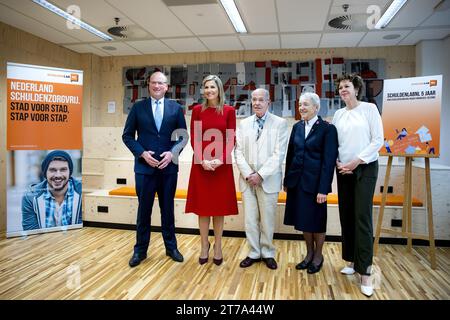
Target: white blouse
(309, 124)
(360, 132)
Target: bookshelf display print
(284, 80)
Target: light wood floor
(46, 267)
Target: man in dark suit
(156, 151)
(310, 163)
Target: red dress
(212, 193)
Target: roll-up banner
(411, 116)
(44, 142)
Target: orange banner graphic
(43, 115)
(411, 116)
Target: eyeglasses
(159, 83)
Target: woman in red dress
(211, 191)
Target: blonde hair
(218, 82)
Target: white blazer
(264, 156)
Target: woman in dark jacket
(310, 163)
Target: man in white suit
(261, 142)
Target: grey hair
(266, 93)
(313, 97)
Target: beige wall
(103, 76)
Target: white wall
(432, 58)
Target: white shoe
(367, 290)
(348, 271)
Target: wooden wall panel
(99, 143)
(118, 169)
(93, 182)
(92, 165)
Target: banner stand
(407, 205)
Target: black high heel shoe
(204, 260)
(217, 262)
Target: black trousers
(355, 196)
(165, 186)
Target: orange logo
(433, 83)
(73, 77)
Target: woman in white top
(360, 136)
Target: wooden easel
(407, 204)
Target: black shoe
(270, 263)
(313, 268)
(247, 262)
(136, 259)
(175, 255)
(217, 262)
(303, 265)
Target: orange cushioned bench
(391, 200)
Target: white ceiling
(202, 25)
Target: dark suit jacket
(141, 120)
(311, 162)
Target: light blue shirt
(161, 106)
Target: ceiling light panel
(413, 13)
(63, 14)
(234, 15)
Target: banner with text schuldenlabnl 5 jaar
(412, 116)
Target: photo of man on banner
(55, 201)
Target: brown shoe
(216, 261)
(270, 263)
(247, 262)
(204, 260)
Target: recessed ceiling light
(47, 5)
(391, 36)
(443, 5)
(233, 14)
(390, 12)
(109, 48)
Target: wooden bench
(392, 199)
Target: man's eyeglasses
(159, 83)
